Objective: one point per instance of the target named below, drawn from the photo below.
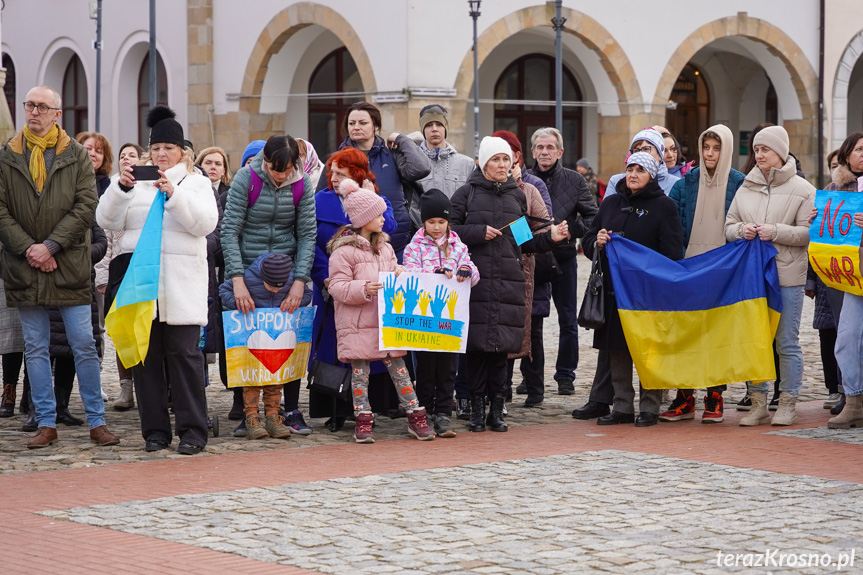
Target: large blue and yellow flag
(130, 318)
(699, 322)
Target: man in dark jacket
(572, 201)
(47, 205)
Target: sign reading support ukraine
(699, 322)
(424, 312)
(834, 240)
(267, 346)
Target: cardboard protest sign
(834, 240)
(267, 346)
(418, 311)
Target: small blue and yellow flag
(130, 318)
(699, 322)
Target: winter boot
(363, 427)
(418, 426)
(495, 421)
(254, 429)
(127, 396)
(274, 427)
(758, 414)
(851, 416)
(462, 409)
(7, 401)
(30, 424)
(477, 413)
(785, 413)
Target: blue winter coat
(407, 162)
(685, 195)
(330, 217)
(259, 292)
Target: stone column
(200, 72)
(7, 127)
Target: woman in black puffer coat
(61, 353)
(480, 210)
(641, 212)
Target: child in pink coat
(437, 249)
(357, 253)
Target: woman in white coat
(181, 310)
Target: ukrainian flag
(699, 322)
(130, 318)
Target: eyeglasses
(645, 149)
(43, 109)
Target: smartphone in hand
(144, 173)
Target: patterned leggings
(399, 374)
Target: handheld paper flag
(521, 230)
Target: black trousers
(435, 380)
(602, 391)
(828, 359)
(292, 395)
(486, 373)
(173, 357)
(12, 363)
(533, 367)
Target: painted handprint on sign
(389, 293)
(439, 302)
(425, 299)
(399, 300)
(450, 304)
(411, 296)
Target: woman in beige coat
(773, 205)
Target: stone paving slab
(851, 436)
(609, 511)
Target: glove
(463, 272)
(442, 270)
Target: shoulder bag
(592, 312)
(326, 378)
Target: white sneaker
(104, 396)
(832, 400)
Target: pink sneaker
(363, 427)
(417, 425)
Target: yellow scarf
(37, 146)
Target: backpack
(256, 184)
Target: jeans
(849, 344)
(79, 332)
(788, 344)
(564, 292)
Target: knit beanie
(584, 163)
(252, 150)
(510, 139)
(434, 204)
(491, 146)
(276, 269)
(164, 128)
(652, 137)
(434, 113)
(646, 161)
(361, 204)
(775, 138)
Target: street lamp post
(558, 21)
(474, 13)
(153, 57)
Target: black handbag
(546, 268)
(592, 312)
(326, 378)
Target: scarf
(37, 147)
(708, 225)
(312, 159)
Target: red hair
(355, 162)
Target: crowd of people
(289, 229)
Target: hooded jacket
(497, 310)
(424, 255)
(261, 296)
(63, 213)
(449, 169)
(785, 200)
(353, 264)
(272, 225)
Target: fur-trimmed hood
(843, 178)
(351, 238)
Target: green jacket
(272, 225)
(63, 212)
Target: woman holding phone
(190, 214)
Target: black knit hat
(434, 204)
(164, 128)
(276, 269)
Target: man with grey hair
(572, 201)
(47, 205)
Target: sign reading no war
(834, 240)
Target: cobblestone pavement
(74, 449)
(610, 511)
(850, 436)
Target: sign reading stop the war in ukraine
(834, 240)
(418, 311)
(267, 346)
